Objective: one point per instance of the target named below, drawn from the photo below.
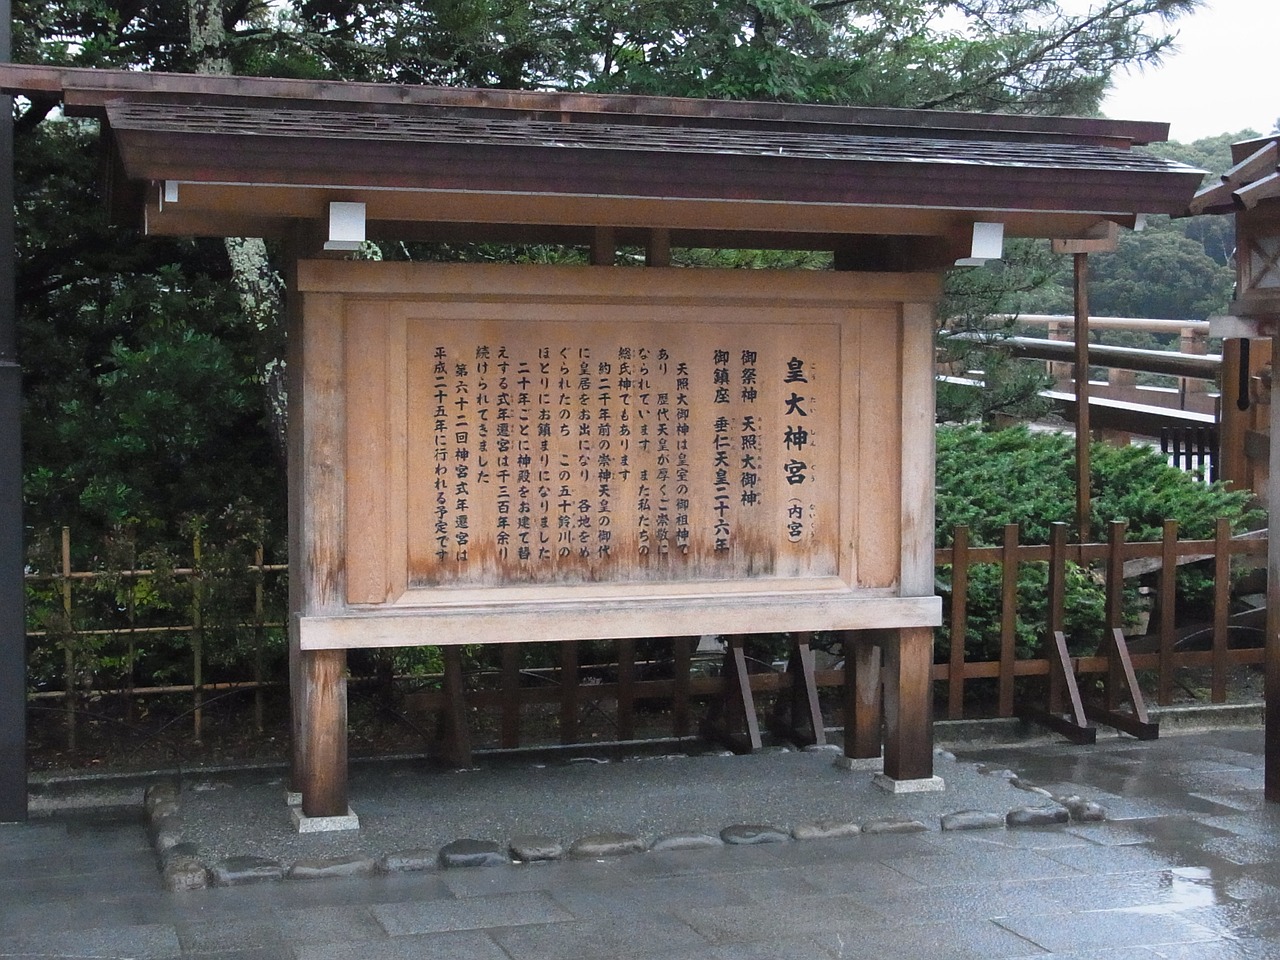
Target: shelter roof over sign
(248, 156)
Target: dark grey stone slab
(1107, 929)
(752, 833)
(330, 923)
(1037, 816)
(599, 845)
(686, 841)
(972, 820)
(613, 937)
(465, 945)
(409, 861)
(893, 825)
(826, 829)
(229, 933)
(141, 941)
(473, 853)
(473, 913)
(327, 868)
(234, 871)
(530, 848)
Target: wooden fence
(570, 686)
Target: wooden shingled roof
(1254, 177)
(248, 156)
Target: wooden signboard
(507, 453)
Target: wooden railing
(573, 691)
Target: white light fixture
(988, 244)
(168, 192)
(346, 226)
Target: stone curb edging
(182, 868)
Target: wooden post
(1221, 610)
(626, 689)
(569, 691)
(657, 250)
(1271, 789)
(1083, 472)
(1008, 616)
(1115, 610)
(197, 641)
(908, 700)
(1166, 599)
(510, 730)
(317, 424)
(862, 705)
(68, 643)
(682, 664)
(1057, 603)
(259, 620)
(959, 621)
(323, 701)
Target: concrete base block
(859, 763)
(305, 824)
(923, 785)
(291, 798)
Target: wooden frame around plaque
(508, 453)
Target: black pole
(13, 641)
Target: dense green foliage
(989, 479)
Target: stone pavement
(1186, 866)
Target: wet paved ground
(1188, 867)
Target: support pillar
(908, 708)
(863, 712)
(322, 746)
(1271, 776)
(13, 640)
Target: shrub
(987, 479)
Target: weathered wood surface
(524, 454)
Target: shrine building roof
(221, 156)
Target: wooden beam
(1083, 437)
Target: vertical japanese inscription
(565, 453)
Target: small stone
(942, 754)
(774, 748)
(1037, 816)
(162, 808)
(528, 848)
(156, 793)
(166, 833)
(473, 853)
(750, 833)
(234, 871)
(1029, 787)
(185, 873)
(686, 841)
(322, 868)
(825, 830)
(972, 820)
(823, 748)
(894, 825)
(599, 845)
(408, 861)
(179, 850)
(718, 753)
(1082, 810)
